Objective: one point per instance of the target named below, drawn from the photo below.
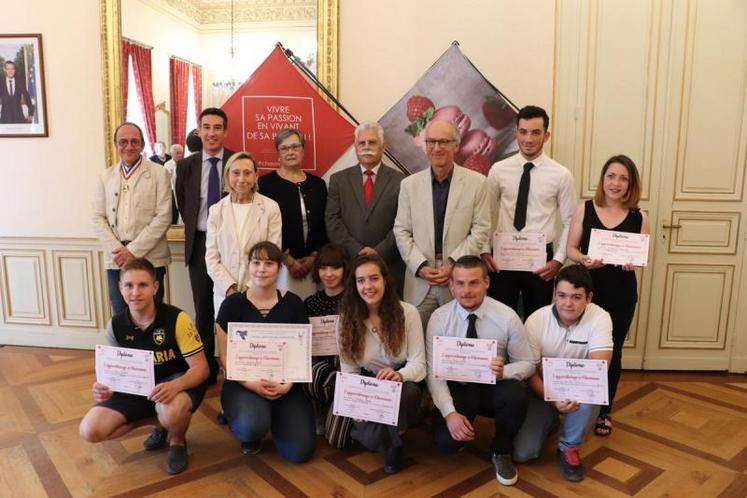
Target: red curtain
(144, 85)
(197, 84)
(179, 88)
(125, 56)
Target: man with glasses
(442, 215)
(132, 211)
(198, 186)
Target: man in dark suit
(12, 94)
(362, 203)
(198, 186)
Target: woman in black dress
(302, 198)
(614, 207)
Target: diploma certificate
(125, 370)
(463, 360)
(519, 251)
(298, 344)
(619, 248)
(584, 381)
(324, 335)
(254, 359)
(367, 398)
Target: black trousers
(506, 402)
(506, 285)
(202, 295)
(621, 320)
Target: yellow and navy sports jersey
(172, 337)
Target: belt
(124, 242)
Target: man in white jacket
(132, 211)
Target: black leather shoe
(176, 461)
(251, 447)
(156, 439)
(393, 460)
(221, 418)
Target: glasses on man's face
(287, 148)
(123, 142)
(443, 142)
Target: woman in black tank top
(614, 207)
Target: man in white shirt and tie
(473, 315)
(529, 193)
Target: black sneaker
(221, 418)
(393, 460)
(251, 447)
(156, 439)
(505, 471)
(176, 461)
(570, 464)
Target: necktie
(368, 187)
(12, 88)
(520, 215)
(213, 195)
(471, 328)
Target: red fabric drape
(197, 84)
(144, 85)
(125, 56)
(179, 88)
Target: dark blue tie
(213, 195)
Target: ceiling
(219, 11)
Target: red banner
(279, 96)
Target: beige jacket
(150, 213)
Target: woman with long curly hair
(381, 336)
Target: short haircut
(455, 135)
(469, 262)
(193, 141)
(238, 156)
(287, 132)
(531, 112)
(633, 195)
(9, 62)
(214, 111)
(266, 250)
(160, 142)
(129, 123)
(370, 125)
(331, 255)
(577, 275)
(138, 264)
(175, 147)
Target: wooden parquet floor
(675, 435)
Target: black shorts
(135, 407)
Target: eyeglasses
(122, 142)
(287, 148)
(431, 142)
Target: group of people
(400, 259)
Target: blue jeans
(290, 418)
(540, 420)
(118, 304)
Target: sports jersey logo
(159, 335)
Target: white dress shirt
(496, 321)
(551, 339)
(205, 179)
(551, 195)
(375, 171)
(409, 363)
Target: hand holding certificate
(583, 380)
(367, 398)
(463, 360)
(324, 335)
(125, 370)
(619, 248)
(519, 251)
(296, 362)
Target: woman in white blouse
(381, 336)
(235, 224)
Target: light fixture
(230, 84)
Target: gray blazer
(353, 226)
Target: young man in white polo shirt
(573, 328)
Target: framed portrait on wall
(23, 104)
